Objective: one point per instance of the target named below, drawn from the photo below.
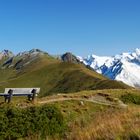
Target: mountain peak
(6, 53)
(124, 67)
(35, 50)
(20, 60)
(32, 52)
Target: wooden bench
(31, 93)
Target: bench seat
(31, 93)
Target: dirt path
(81, 99)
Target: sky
(102, 27)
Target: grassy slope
(93, 121)
(90, 121)
(53, 76)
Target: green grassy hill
(55, 76)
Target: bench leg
(34, 97)
(9, 99)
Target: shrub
(131, 98)
(17, 123)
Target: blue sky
(102, 27)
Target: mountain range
(62, 74)
(124, 67)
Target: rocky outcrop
(69, 57)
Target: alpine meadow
(69, 70)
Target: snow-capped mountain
(124, 67)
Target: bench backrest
(22, 90)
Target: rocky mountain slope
(5, 53)
(124, 67)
